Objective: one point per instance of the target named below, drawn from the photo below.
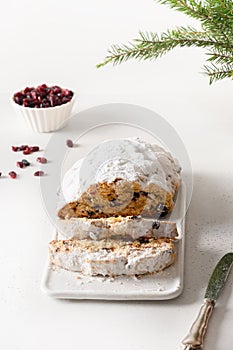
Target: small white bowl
(45, 119)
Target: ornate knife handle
(195, 337)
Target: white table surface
(172, 87)
(38, 321)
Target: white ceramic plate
(167, 284)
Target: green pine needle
(219, 72)
(216, 19)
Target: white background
(59, 42)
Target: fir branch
(212, 14)
(216, 19)
(190, 8)
(152, 46)
(220, 58)
(218, 73)
(219, 21)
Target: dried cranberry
(39, 173)
(12, 174)
(55, 90)
(28, 89)
(34, 149)
(27, 151)
(33, 95)
(69, 143)
(65, 99)
(15, 148)
(20, 164)
(25, 102)
(18, 98)
(45, 104)
(41, 160)
(66, 92)
(25, 162)
(42, 87)
(23, 147)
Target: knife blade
(219, 277)
(194, 339)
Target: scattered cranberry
(23, 147)
(39, 173)
(41, 160)
(34, 149)
(69, 143)
(20, 164)
(43, 96)
(12, 174)
(27, 151)
(25, 162)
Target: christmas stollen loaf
(113, 224)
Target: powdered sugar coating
(136, 160)
(70, 184)
(142, 162)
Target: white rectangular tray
(167, 284)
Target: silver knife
(195, 337)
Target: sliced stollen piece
(126, 228)
(112, 258)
